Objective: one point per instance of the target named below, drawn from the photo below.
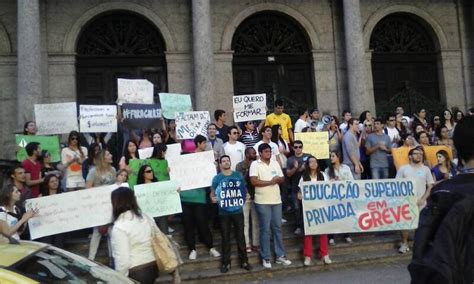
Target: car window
(52, 265)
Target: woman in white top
(313, 173)
(131, 238)
(338, 171)
(10, 216)
(72, 158)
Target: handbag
(166, 257)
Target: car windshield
(52, 265)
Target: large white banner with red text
(359, 206)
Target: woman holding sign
(72, 158)
(131, 152)
(312, 173)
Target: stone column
(203, 55)
(359, 97)
(29, 88)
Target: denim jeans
(379, 173)
(269, 218)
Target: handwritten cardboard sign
(98, 118)
(158, 198)
(140, 116)
(191, 124)
(56, 118)
(193, 170)
(359, 206)
(249, 107)
(173, 103)
(315, 143)
(134, 91)
(49, 143)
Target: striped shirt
(249, 139)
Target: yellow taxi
(33, 262)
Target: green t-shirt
(160, 169)
(197, 195)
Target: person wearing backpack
(443, 251)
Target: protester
(422, 138)
(72, 158)
(131, 238)
(222, 129)
(346, 116)
(350, 149)
(89, 162)
(458, 115)
(313, 173)
(281, 118)
(227, 183)
(314, 121)
(33, 168)
(30, 128)
(11, 214)
(266, 175)
(145, 176)
(102, 174)
(365, 117)
(193, 203)
(233, 148)
(337, 172)
(48, 168)
(145, 140)
(448, 121)
(302, 121)
(400, 111)
(334, 134)
(402, 125)
(378, 145)
(392, 131)
(266, 134)
(283, 148)
(17, 178)
(423, 184)
(214, 143)
(295, 168)
(420, 118)
(170, 136)
(156, 138)
(161, 170)
(445, 168)
(129, 153)
(250, 212)
(121, 177)
(250, 134)
(443, 137)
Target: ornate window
(400, 34)
(269, 33)
(120, 33)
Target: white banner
(172, 150)
(158, 198)
(98, 118)
(359, 206)
(56, 118)
(193, 170)
(191, 124)
(134, 91)
(249, 107)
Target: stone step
(258, 273)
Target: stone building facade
(334, 54)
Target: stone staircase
(367, 248)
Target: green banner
(49, 143)
(159, 168)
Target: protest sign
(49, 143)
(56, 118)
(158, 198)
(171, 151)
(249, 107)
(191, 124)
(134, 91)
(140, 116)
(193, 170)
(400, 155)
(173, 103)
(315, 143)
(71, 211)
(135, 165)
(145, 153)
(359, 206)
(97, 118)
(230, 193)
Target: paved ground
(386, 273)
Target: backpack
(444, 241)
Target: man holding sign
(228, 191)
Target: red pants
(308, 245)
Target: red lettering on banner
(380, 215)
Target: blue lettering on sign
(379, 189)
(329, 214)
(326, 191)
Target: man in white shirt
(266, 133)
(424, 182)
(233, 148)
(314, 121)
(302, 121)
(392, 131)
(265, 174)
(346, 116)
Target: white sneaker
(307, 261)
(283, 220)
(266, 264)
(214, 253)
(298, 231)
(404, 249)
(170, 230)
(332, 242)
(283, 260)
(192, 255)
(349, 240)
(326, 259)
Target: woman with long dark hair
(312, 173)
(130, 152)
(448, 121)
(72, 158)
(334, 134)
(445, 169)
(13, 222)
(161, 170)
(30, 128)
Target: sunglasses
(148, 171)
(234, 133)
(368, 125)
(298, 147)
(74, 138)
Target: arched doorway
(404, 65)
(272, 55)
(118, 44)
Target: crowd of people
(263, 157)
